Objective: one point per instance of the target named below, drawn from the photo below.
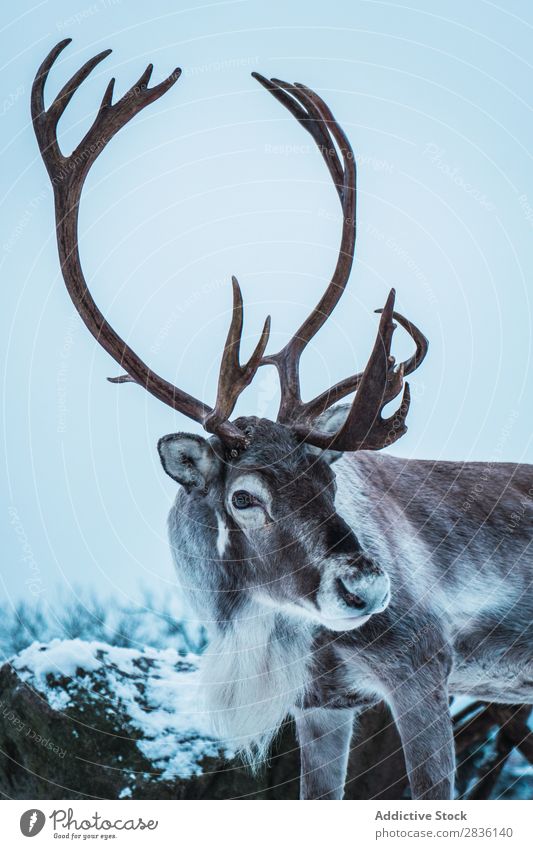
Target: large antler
(68, 174)
(381, 381)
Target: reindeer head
(265, 489)
(271, 531)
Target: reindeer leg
(324, 735)
(422, 716)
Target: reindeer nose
(365, 593)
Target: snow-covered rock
(81, 719)
(156, 690)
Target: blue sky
(217, 179)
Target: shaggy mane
(253, 673)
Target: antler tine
(234, 377)
(422, 344)
(364, 428)
(68, 175)
(309, 118)
(318, 405)
(62, 100)
(311, 111)
(44, 127)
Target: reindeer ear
(329, 422)
(189, 460)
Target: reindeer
(331, 577)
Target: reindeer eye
(242, 500)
